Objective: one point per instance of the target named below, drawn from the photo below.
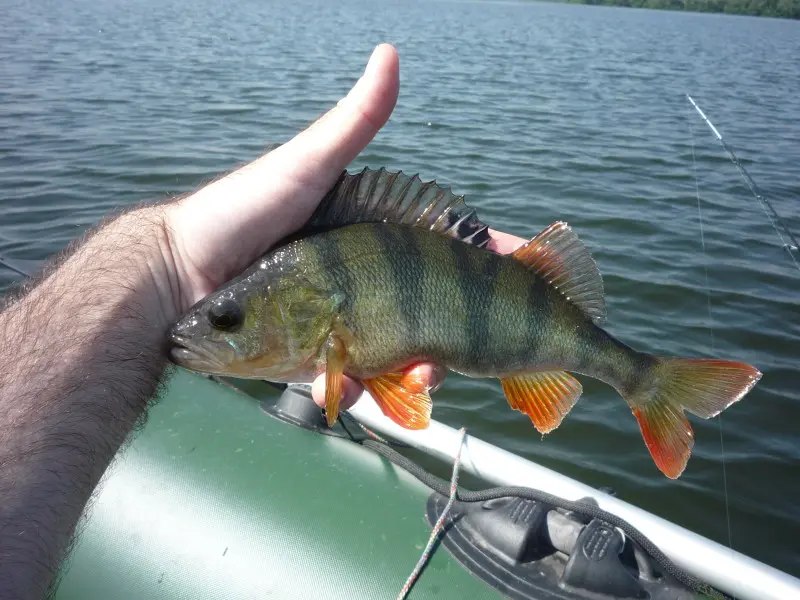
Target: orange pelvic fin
(704, 387)
(403, 397)
(546, 397)
(334, 378)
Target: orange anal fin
(545, 397)
(403, 397)
(334, 378)
(667, 435)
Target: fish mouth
(187, 353)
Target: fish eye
(225, 315)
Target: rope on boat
(583, 507)
(439, 524)
(370, 433)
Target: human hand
(218, 231)
(99, 313)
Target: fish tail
(704, 387)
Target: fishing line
(437, 529)
(711, 327)
(792, 246)
(11, 267)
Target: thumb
(247, 211)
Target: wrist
(131, 260)
(119, 275)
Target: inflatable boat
(238, 490)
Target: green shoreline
(786, 9)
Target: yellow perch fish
(391, 272)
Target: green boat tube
(214, 498)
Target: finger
(504, 243)
(318, 155)
(250, 209)
(431, 373)
(352, 392)
(298, 173)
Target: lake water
(538, 112)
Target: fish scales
(406, 287)
(394, 286)
(409, 296)
(477, 276)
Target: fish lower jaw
(302, 374)
(188, 359)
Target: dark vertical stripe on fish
(334, 266)
(406, 262)
(588, 344)
(477, 298)
(538, 316)
(490, 272)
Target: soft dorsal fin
(558, 256)
(382, 197)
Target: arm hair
(82, 353)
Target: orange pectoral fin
(545, 397)
(403, 397)
(334, 378)
(667, 434)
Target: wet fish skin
(403, 296)
(410, 296)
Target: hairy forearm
(81, 354)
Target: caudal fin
(704, 387)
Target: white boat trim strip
(725, 569)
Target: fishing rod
(792, 246)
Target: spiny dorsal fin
(559, 257)
(382, 197)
